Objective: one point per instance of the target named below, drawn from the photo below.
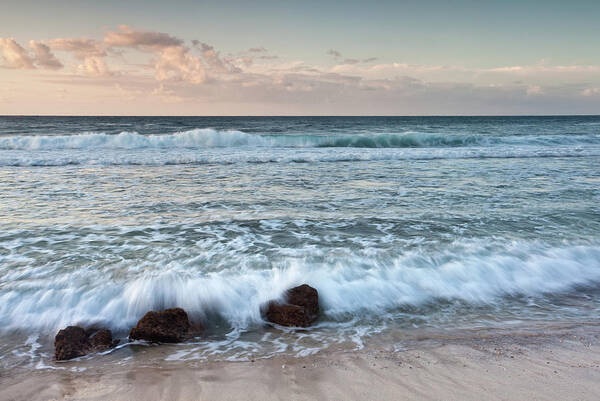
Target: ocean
(405, 226)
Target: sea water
(401, 224)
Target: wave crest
(198, 138)
(210, 138)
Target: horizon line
(299, 115)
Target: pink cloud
(15, 56)
(175, 62)
(80, 47)
(44, 56)
(200, 71)
(129, 37)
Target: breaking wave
(208, 146)
(210, 138)
(350, 284)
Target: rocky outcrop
(74, 341)
(168, 326)
(300, 309)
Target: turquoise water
(400, 223)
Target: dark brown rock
(74, 341)
(70, 343)
(306, 296)
(102, 340)
(168, 326)
(287, 315)
(300, 310)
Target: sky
(69, 57)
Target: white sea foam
(156, 157)
(348, 284)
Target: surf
(207, 138)
(367, 284)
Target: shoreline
(563, 363)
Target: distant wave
(198, 138)
(184, 156)
(210, 138)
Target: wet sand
(525, 366)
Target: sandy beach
(562, 365)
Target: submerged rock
(168, 326)
(300, 310)
(74, 341)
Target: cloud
(171, 59)
(591, 92)
(268, 57)
(80, 47)
(44, 56)
(171, 70)
(233, 63)
(95, 67)
(334, 53)
(349, 61)
(167, 95)
(176, 63)
(541, 68)
(15, 56)
(217, 64)
(129, 37)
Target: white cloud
(95, 67)
(15, 56)
(176, 63)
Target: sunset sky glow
(299, 58)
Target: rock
(168, 326)
(102, 340)
(300, 310)
(288, 315)
(74, 341)
(70, 343)
(306, 296)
